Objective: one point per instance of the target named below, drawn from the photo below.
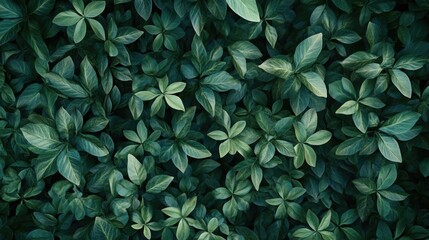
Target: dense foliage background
(216, 119)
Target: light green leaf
(314, 82)
(386, 176)
(221, 82)
(205, 96)
(127, 35)
(307, 51)
(135, 170)
(365, 185)
(195, 149)
(41, 136)
(67, 18)
(348, 108)
(389, 148)
(79, 31)
(94, 9)
(410, 62)
(91, 145)
(175, 87)
(400, 123)
(217, 135)
(146, 95)
(97, 28)
(319, 138)
(401, 82)
(246, 9)
(369, 71)
(88, 75)
(278, 67)
(158, 183)
(174, 102)
(68, 164)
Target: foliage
(216, 119)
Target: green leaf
(127, 35)
(97, 28)
(41, 136)
(401, 82)
(246, 9)
(278, 67)
(346, 36)
(312, 220)
(103, 229)
(386, 176)
(326, 221)
(369, 71)
(39, 234)
(358, 60)
(310, 155)
(221, 82)
(143, 8)
(91, 145)
(303, 233)
(195, 149)
(158, 183)
(224, 148)
(197, 19)
(319, 138)
(67, 18)
(256, 176)
(400, 123)
(9, 9)
(88, 75)
(69, 165)
(217, 135)
(410, 62)
(176, 87)
(205, 96)
(372, 102)
(424, 167)
(365, 185)
(314, 82)
(188, 206)
(146, 95)
(64, 86)
(271, 35)
(348, 108)
(9, 29)
(393, 196)
(308, 51)
(183, 230)
(237, 128)
(135, 170)
(41, 7)
(350, 146)
(94, 9)
(79, 31)
(389, 148)
(174, 102)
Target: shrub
(216, 119)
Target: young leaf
(308, 51)
(158, 183)
(278, 67)
(401, 82)
(389, 148)
(246, 9)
